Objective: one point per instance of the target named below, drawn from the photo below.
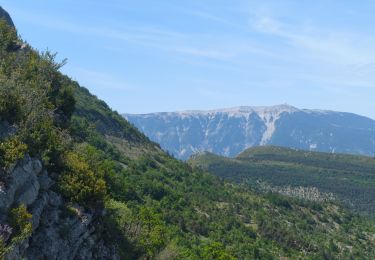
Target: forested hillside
(98, 188)
(348, 179)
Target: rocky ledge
(60, 230)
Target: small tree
(80, 184)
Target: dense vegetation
(155, 206)
(349, 178)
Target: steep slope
(5, 16)
(94, 114)
(79, 182)
(230, 131)
(348, 178)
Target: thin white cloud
(166, 40)
(324, 44)
(331, 57)
(206, 53)
(215, 47)
(215, 18)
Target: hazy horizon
(147, 56)
(241, 106)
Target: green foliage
(153, 232)
(11, 150)
(118, 224)
(278, 200)
(65, 103)
(3, 248)
(20, 220)
(10, 104)
(35, 96)
(84, 130)
(350, 179)
(200, 210)
(216, 251)
(9, 38)
(142, 229)
(103, 119)
(80, 184)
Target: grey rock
(38, 208)
(6, 129)
(54, 199)
(17, 251)
(37, 166)
(22, 186)
(28, 165)
(45, 181)
(46, 244)
(29, 191)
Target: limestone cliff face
(57, 234)
(230, 131)
(5, 16)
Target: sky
(144, 56)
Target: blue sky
(161, 55)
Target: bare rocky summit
(229, 131)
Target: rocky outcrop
(6, 129)
(5, 16)
(60, 230)
(64, 235)
(22, 186)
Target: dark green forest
(156, 207)
(350, 179)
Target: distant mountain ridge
(232, 130)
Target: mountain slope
(5, 16)
(79, 182)
(348, 178)
(230, 131)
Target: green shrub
(153, 232)
(65, 102)
(80, 184)
(9, 37)
(10, 104)
(279, 200)
(11, 150)
(20, 220)
(216, 251)
(117, 223)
